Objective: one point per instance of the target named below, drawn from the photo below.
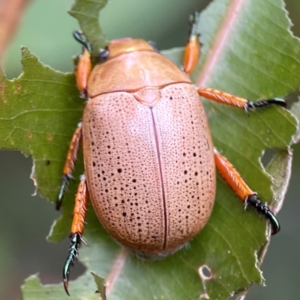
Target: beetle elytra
(149, 159)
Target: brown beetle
(148, 154)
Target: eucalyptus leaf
(87, 14)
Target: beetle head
(122, 46)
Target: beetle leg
(239, 186)
(79, 37)
(82, 72)
(192, 47)
(79, 214)
(229, 99)
(84, 64)
(69, 164)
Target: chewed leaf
(38, 113)
(259, 58)
(87, 12)
(101, 285)
(296, 111)
(33, 289)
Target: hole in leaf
(205, 272)
(204, 296)
(267, 156)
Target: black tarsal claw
(63, 188)
(262, 103)
(66, 283)
(79, 37)
(84, 94)
(264, 210)
(193, 24)
(76, 239)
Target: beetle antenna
(80, 38)
(264, 210)
(103, 54)
(154, 46)
(73, 253)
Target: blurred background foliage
(46, 29)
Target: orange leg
(79, 214)
(232, 100)
(82, 72)
(69, 164)
(239, 186)
(190, 60)
(84, 65)
(192, 47)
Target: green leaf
(100, 282)
(295, 109)
(87, 14)
(34, 290)
(259, 59)
(39, 111)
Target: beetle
(149, 160)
